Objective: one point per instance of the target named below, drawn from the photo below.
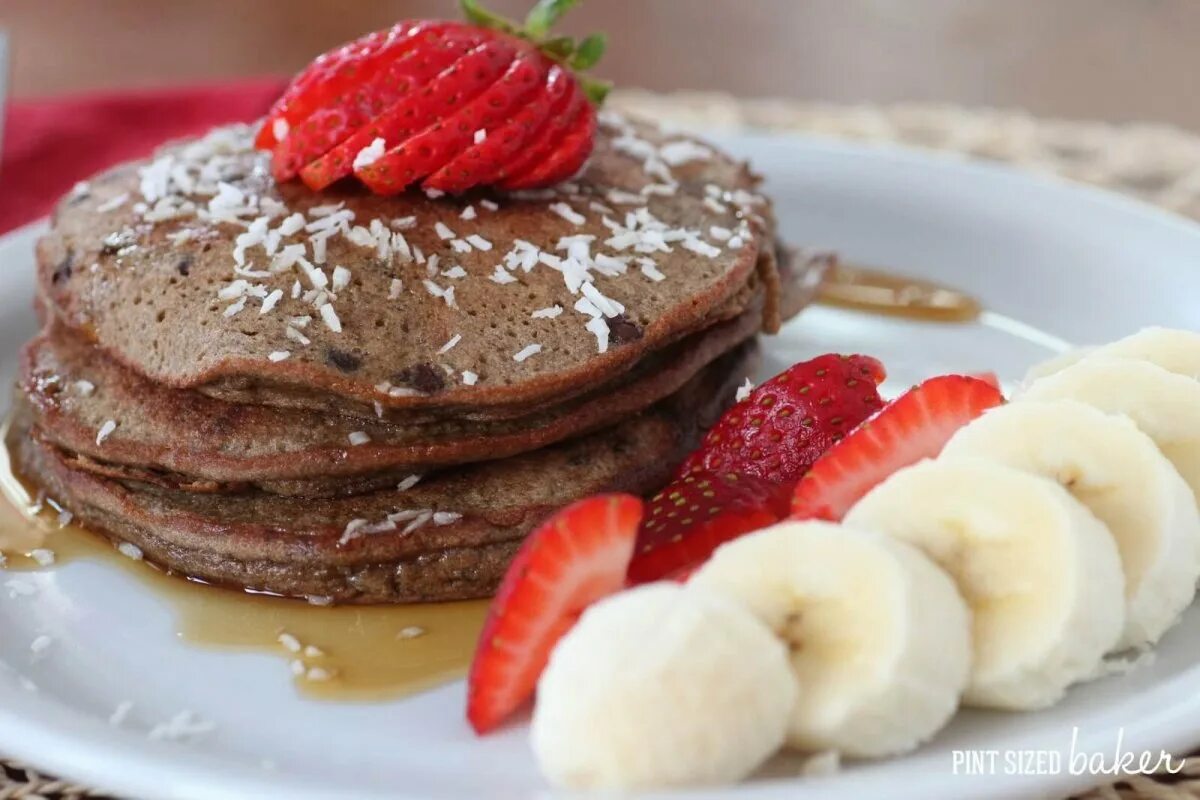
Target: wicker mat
(1156, 163)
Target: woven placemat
(1157, 163)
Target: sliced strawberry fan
(916, 425)
(435, 93)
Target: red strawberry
(695, 515)
(426, 88)
(566, 157)
(454, 130)
(481, 163)
(426, 55)
(575, 558)
(916, 425)
(538, 148)
(788, 422)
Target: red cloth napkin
(50, 144)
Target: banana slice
(1039, 571)
(1172, 349)
(880, 637)
(1164, 404)
(1054, 364)
(1119, 474)
(662, 686)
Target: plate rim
(164, 770)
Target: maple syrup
(879, 292)
(332, 652)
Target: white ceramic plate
(1077, 265)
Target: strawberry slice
(789, 421)
(916, 425)
(480, 163)
(698, 513)
(440, 142)
(575, 558)
(320, 80)
(565, 159)
(540, 146)
(397, 81)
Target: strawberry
(434, 92)
(916, 425)
(482, 100)
(695, 515)
(566, 157)
(482, 162)
(540, 144)
(427, 54)
(575, 558)
(788, 422)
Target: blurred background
(1111, 60)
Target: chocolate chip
(423, 377)
(63, 271)
(621, 329)
(184, 265)
(346, 362)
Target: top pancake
(197, 271)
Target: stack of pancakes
(362, 399)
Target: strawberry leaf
(542, 16)
(589, 52)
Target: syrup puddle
(363, 653)
(879, 292)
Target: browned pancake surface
(145, 261)
(470, 518)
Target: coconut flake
(330, 318)
(443, 231)
(547, 313)
(449, 345)
(105, 431)
(279, 355)
(569, 214)
(526, 352)
(469, 378)
(370, 154)
(358, 438)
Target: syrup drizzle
(366, 653)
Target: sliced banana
(1172, 349)
(1054, 364)
(879, 636)
(1117, 471)
(662, 686)
(1164, 404)
(1039, 571)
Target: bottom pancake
(449, 537)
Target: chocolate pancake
(195, 270)
(448, 537)
(213, 445)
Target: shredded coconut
(359, 438)
(279, 355)
(469, 378)
(547, 313)
(449, 345)
(443, 231)
(130, 550)
(370, 154)
(569, 214)
(105, 431)
(330, 318)
(526, 352)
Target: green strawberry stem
(578, 56)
